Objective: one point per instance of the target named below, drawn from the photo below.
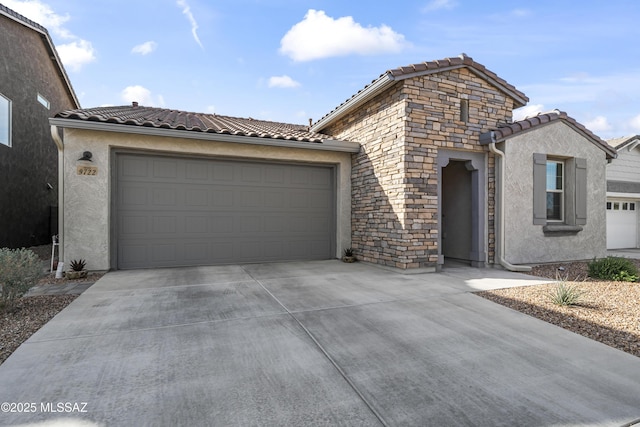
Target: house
(552, 189)
(33, 87)
(623, 194)
(406, 172)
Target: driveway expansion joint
(326, 354)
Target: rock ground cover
(608, 312)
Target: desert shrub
(20, 269)
(613, 268)
(564, 294)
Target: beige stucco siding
(87, 199)
(527, 243)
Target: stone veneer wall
(395, 175)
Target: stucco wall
(87, 209)
(525, 242)
(31, 162)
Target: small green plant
(613, 268)
(20, 269)
(566, 295)
(348, 252)
(77, 264)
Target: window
(559, 193)
(555, 190)
(464, 110)
(621, 206)
(5, 121)
(44, 101)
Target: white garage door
(622, 224)
(193, 211)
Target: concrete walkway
(317, 343)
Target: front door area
(462, 207)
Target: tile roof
(452, 63)
(507, 131)
(135, 115)
(619, 143)
(423, 68)
(12, 14)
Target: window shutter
(581, 191)
(539, 189)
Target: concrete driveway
(317, 343)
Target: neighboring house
(623, 194)
(33, 87)
(404, 172)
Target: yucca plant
(566, 295)
(77, 264)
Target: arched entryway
(462, 198)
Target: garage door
(190, 211)
(622, 223)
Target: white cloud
(75, 54)
(520, 13)
(439, 4)
(186, 10)
(42, 14)
(527, 111)
(282, 82)
(598, 124)
(211, 109)
(635, 123)
(145, 48)
(142, 96)
(320, 36)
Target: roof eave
(52, 51)
(378, 86)
(493, 136)
(324, 145)
(388, 79)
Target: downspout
(60, 145)
(500, 228)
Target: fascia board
(325, 145)
(357, 100)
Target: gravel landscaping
(608, 312)
(33, 312)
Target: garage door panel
(133, 224)
(185, 211)
(165, 169)
(131, 195)
(622, 224)
(133, 167)
(196, 171)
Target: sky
(295, 60)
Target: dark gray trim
(539, 189)
(581, 191)
(623, 187)
(557, 230)
(476, 163)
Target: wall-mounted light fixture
(84, 164)
(86, 156)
